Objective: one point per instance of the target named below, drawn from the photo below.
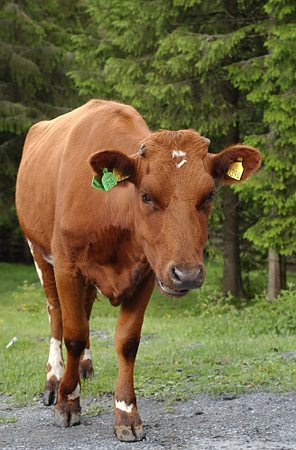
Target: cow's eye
(146, 197)
(210, 197)
(206, 201)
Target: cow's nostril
(176, 274)
(200, 273)
(187, 279)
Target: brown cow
(150, 227)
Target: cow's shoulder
(114, 114)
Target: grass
(202, 343)
(5, 420)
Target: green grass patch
(202, 343)
(4, 420)
(94, 410)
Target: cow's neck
(114, 259)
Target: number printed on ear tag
(236, 169)
(108, 180)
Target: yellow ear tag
(236, 169)
(119, 176)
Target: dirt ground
(254, 421)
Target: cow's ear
(234, 164)
(123, 166)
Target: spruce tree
(269, 83)
(35, 55)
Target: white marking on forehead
(86, 354)
(75, 394)
(123, 406)
(55, 359)
(38, 270)
(178, 154)
(180, 164)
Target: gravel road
(252, 421)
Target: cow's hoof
(129, 433)
(68, 414)
(86, 369)
(50, 396)
(61, 418)
(74, 419)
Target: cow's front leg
(128, 425)
(86, 368)
(75, 329)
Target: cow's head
(174, 178)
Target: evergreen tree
(270, 84)
(35, 55)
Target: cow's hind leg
(128, 425)
(86, 367)
(55, 364)
(76, 332)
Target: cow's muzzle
(187, 279)
(169, 291)
(182, 281)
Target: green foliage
(35, 55)
(269, 81)
(166, 58)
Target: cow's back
(54, 176)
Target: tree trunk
(232, 279)
(283, 269)
(276, 274)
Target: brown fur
(113, 239)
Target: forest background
(224, 68)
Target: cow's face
(174, 178)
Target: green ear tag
(95, 183)
(108, 180)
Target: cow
(106, 204)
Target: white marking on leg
(38, 270)
(55, 359)
(75, 394)
(48, 259)
(86, 354)
(49, 307)
(123, 406)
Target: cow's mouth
(169, 291)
